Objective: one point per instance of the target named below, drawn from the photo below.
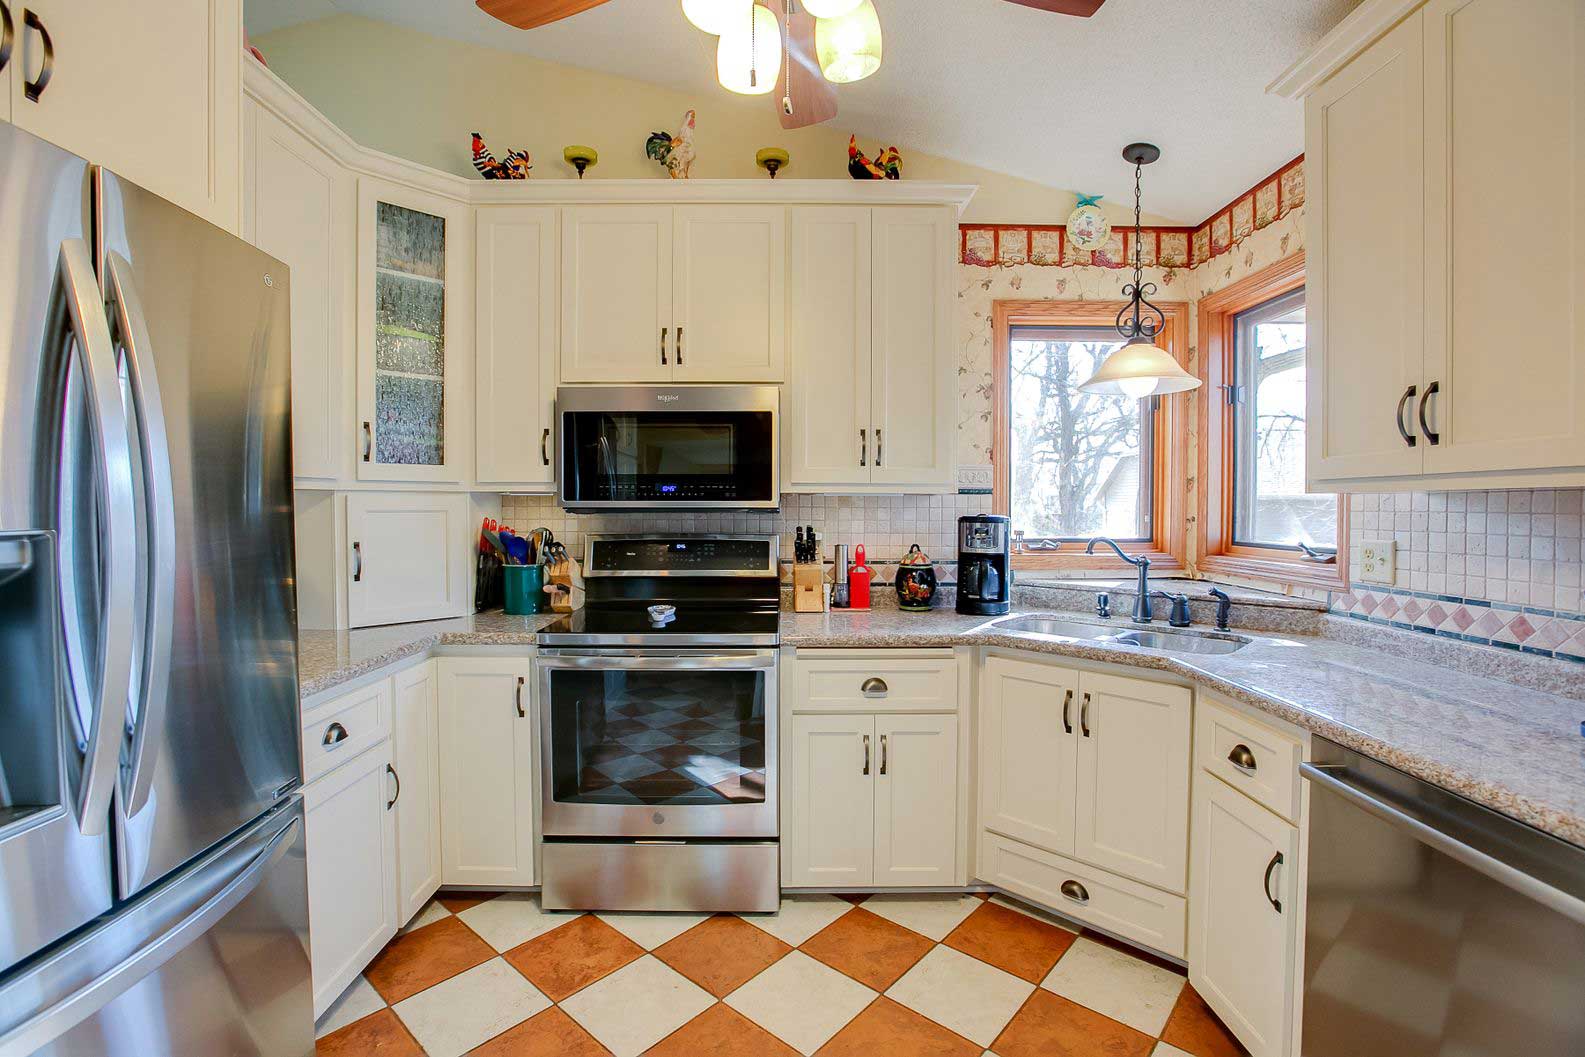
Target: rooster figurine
(888, 165)
(676, 153)
(515, 167)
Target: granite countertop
(1513, 749)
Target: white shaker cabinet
(300, 205)
(616, 294)
(515, 364)
(916, 800)
(1243, 915)
(352, 888)
(154, 95)
(488, 771)
(410, 557)
(729, 293)
(415, 732)
(828, 821)
(1028, 755)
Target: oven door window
(635, 738)
(669, 456)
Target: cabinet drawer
(1267, 762)
(338, 730)
(1127, 908)
(883, 683)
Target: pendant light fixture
(748, 57)
(849, 47)
(1140, 368)
(715, 16)
(829, 8)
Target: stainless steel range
(659, 722)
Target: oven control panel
(688, 556)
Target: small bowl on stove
(659, 615)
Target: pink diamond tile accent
(1412, 610)
(1435, 615)
(1346, 602)
(1519, 629)
(1575, 645)
(1462, 618)
(1548, 633)
(1368, 603)
(1389, 607)
(1487, 624)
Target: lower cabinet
(488, 771)
(415, 723)
(871, 800)
(1243, 915)
(352, 889)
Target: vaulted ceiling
(1039, 96)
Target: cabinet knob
(1073, 890)
(335, 734)
(1242, 758)
(874, 687)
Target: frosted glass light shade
(829, 8)
(849, 48)
(716, 16)
(1140, 369)
(749, 64)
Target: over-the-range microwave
(673, 447)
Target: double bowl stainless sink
(1169, 640)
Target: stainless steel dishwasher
(1435, 927)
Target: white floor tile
(431, 913)
(1035, 912)
(928, 915)
(800, 917)
(1125, 988)
(962, 993)
(1164, 1050)
(651, 930)
(511, 919)
(637, 1006)
(356, 1002)
(453, 1017)
(801, 1001)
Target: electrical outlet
(1378, 562)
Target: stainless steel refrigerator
(153, 897)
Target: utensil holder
(525, 590)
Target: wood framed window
(1255, 518)
(1070, 465)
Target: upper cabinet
(1445, 352)
(873, 396)
(154, 97)
(414, 328)
(300, 205)
(684, 293)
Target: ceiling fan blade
(1081, 8)
(531, 14)
(814, 98)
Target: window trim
(1218, 553)
(1168, 547)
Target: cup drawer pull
(335, 734)
(1242, 758)
(874, 687)
(1075, 891)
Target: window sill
(1076, 560)
(1330, 577)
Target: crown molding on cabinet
(1348, 38)
(280, 99)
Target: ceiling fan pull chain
(753, 45)
(786, 99)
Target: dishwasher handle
(1337, 779)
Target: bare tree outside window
(1081, 464)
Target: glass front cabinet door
(411, 318)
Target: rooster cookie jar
(916, 581)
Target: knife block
(809, 588)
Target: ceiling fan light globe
(716, 16)
(829, 8)
(849, 48)
(749, 64)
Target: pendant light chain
(1139, 265)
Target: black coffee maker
(985, 572)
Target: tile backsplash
(886, 525)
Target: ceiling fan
(808, 96)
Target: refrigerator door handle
(77, 1006)
(153, 615)
(76, 310)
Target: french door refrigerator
(153, 897)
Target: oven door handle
(661, 660)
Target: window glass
(1081, 464)
(1270, 507)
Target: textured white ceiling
(1039, 96)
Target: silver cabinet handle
(335, 734)
(1242, 758)
(357, 562)
(866, 754)
(35, 88)
(880, 449)
(1265, 882)
(864, 447)
(368, 441)
(664, 333)
(1067, 717)
(1084, 716)
(398, 794)
(874, 687)
(883, 754)
(678, 345)
(520, 713)
(1075, 891)
(544, 446)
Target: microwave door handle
(156, 612)
(76, 308)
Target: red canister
(859, 581)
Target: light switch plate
(1378, 562)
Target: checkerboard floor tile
(493, 975)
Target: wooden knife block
(809, 588)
